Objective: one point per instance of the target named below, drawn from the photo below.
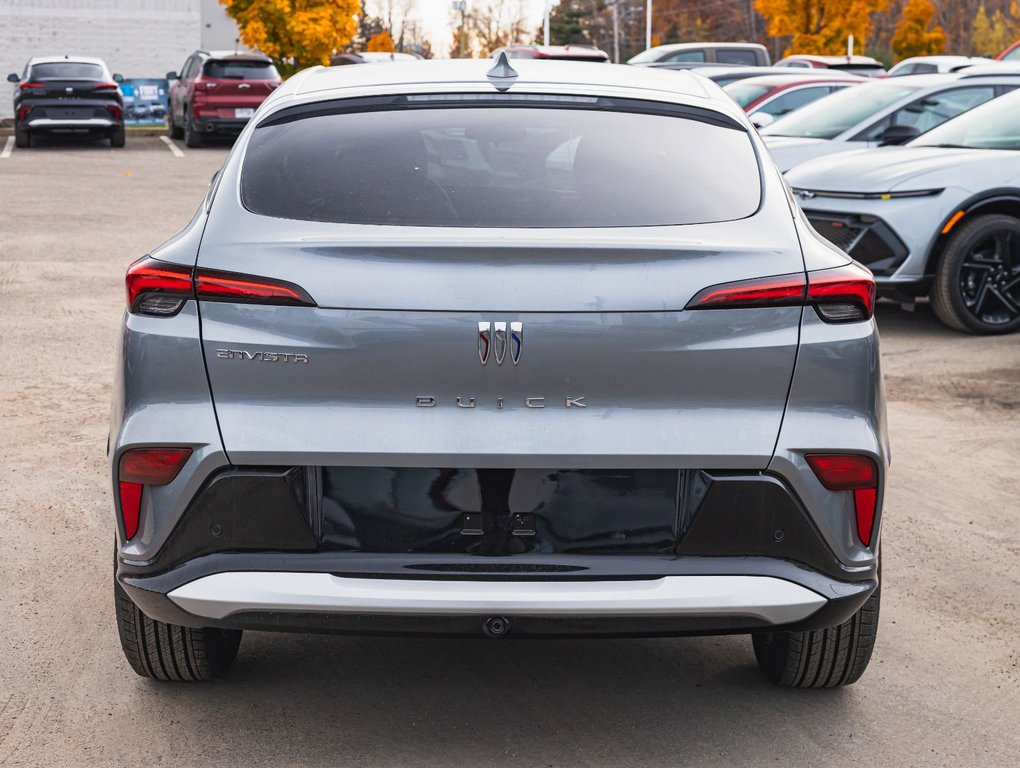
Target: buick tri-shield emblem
(492, 338)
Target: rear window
(495, 166)
(71, 70)
(685, 56)
(240, 70)
(736, 56)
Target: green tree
(567, 24)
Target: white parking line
(171, 146)
(8, 146)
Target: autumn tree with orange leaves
(817, 27)
(914, 34)
(295, 33)
(380, 42)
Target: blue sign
(146, 101)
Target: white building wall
(137, 38)
(219, 32)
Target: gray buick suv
(529, 350)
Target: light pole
(546, 26)
(461, 5)
(616, 32)
(648, 25)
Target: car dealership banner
(145, 101)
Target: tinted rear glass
(240, 70)
(66, 69)
(501, 167)
(735, 56)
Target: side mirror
(118, 78)
(762, 119)
(898, 134)
(171, 75)
(13, 78)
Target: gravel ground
(943, 687)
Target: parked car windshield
(832, 115)
(70, 70)
(497, 166)
(745, 93)
(240, 70)
(994, 125)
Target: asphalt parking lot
(943, 687)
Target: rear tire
(823, 658)
(977, 281)
(22, 137)
(172, 129)
(117, 137)
(169, 652)
(192, 138)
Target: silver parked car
(890, 111)
(440, 352)
(932, 65)
(939, 216)
(745, 54)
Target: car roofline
(469, 76)
(66, 59)
(785, 82)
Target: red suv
(217, 92)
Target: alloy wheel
(990, 278)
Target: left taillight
(855, 473)
(157, 287)
(840, 295)
(160, 289)
(140, 467)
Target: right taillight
(851, 472)
(158, 288)
(840, 295)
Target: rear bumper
(220, 125)
(764, 598)
(325, 550)
(540, 595)
(47, 123)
